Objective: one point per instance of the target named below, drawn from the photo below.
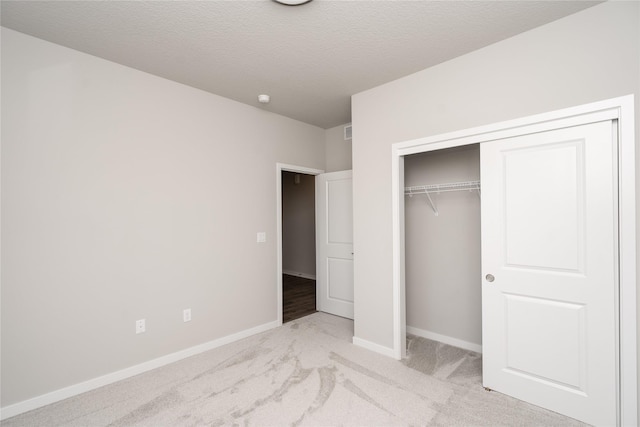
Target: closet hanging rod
(442, 188)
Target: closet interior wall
(442, 259)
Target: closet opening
(443, 248)
(537, 257)
(298, 245)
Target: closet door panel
(544, 222)
(549, 270)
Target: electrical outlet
(261, 237)
(186, 315)
(140, 326)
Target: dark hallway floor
(298, 297)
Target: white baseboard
(466, 345)
(298, 274)
(386, 351)
(74, 390)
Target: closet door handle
(490, 278)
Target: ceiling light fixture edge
(292, 2)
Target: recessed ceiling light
(292, 2)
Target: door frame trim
(620, 109)
(283, 167)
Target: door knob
(489, 278)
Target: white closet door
(334, 242)
(549, 270)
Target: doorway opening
(442, 228)
(298, 245)
(289, 172)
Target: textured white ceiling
(309, 58)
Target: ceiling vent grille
(347, 132)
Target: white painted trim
(627, 259)
(376, 348)
(622, 109)
(92, 384)
(298, 274)
(397, 259)
(280, 167)
(466, 345)
(539, 123)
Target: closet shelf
(441, 188)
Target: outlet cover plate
(141, 326)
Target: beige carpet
(304, 373)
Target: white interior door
(334, 243)
(549, 264)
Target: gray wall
(127, 196)
(338, 151)
(298, 224)
(123, 195)
(586, 57)
(442, 260)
